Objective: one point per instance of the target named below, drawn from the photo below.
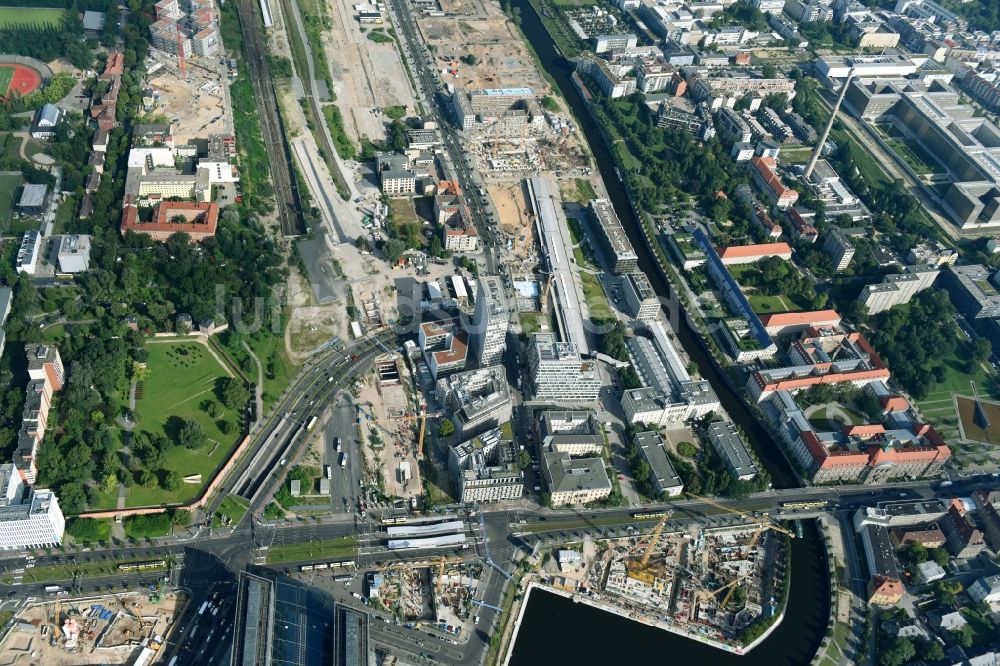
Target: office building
(573, 432)
(490, 321)
(931, 253)
(396, 175)
(643, 303)
(807, 11)
(559, 373)
(476, 399)
(662, 475)
(445, 348)
(621, 256)
(502, 109)
(865, 67)
(29, 517)
(751, 254)
(733, 451)
(490, 485)
(574, 480)
(897, 289)
(670, 397)
(840, 248)
(74, 253)
(605, 43)
(280, 620)
(972, 292)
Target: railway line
(285, 190)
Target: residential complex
(897, 289)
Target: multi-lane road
(420, 62)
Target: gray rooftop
(655, 454)
(731, 447)
(32, 196)
(882, 550)
(568, 474)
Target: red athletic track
(24, 82)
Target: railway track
(285, 191)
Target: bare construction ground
(196, 107)
(509, 200)
(368, 76)
(390, 433)
(112, 641)
(501, 59)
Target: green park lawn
(763, 304)
(37, 17)
(313, 550)
(8, 187)
(180, 376)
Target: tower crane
(653, 539)
(763, 523)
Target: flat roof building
(972, 292)
(477, 399)
(29, 517)
(33, 199)
(897, 289)
(642, 301)
(574, 480)
(74, 253)
(732, 449)
(490, 320)
(662, 475)
(621, 256)
(559, 373)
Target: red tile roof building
(748, 254)
(198, 220)
(884, 591)
(770, 183)
(782, 323)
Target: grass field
(180, 376)
(314, 550)
(531, 322)
(231, 511)
(37, 17)
(6, 76)
(8, 188)
(762, 304)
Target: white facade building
(29, 518)
(489, 323)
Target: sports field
(31, 17)
(18, 79)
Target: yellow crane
(440, 576)
(764, 523)
(653, 539)
(423, 431)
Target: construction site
(706, 581)
(196, 102)
(392, 426)
(111, 629)
(435, 594)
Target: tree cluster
(916, 340)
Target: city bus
(648, 515)
(311, 424)
(805, 505)
(142, 566)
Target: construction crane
(653, 538)
(763, 523)
(137, 616)
(423, 431)
(180, 52)
(55, 619)
(440, 576)
(762, 519)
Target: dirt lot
(196, 107)
(509, 200)
(387, 407)
(501, 60)
(118, 636)
(367, 76)
(310, 325)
